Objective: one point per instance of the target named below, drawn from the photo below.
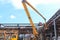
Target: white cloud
(44, 1)
(12, 17)
(4, 1)
(18, 3)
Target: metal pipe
(55, 30)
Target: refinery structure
(49, 30)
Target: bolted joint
(23, 0)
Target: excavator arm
(24, 2)
(29, 17)
(37, 13)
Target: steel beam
(53, 20)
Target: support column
(24, 37)
(51, 36)
(55, 30)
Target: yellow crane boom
(37, 13)
(24, 2)
(30, 19)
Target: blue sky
(11, 11)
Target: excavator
(14, 37)
(35, 33)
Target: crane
(35, 33)
(24, 2)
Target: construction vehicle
(35, 33)
(14, 37)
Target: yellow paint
(14, 37)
